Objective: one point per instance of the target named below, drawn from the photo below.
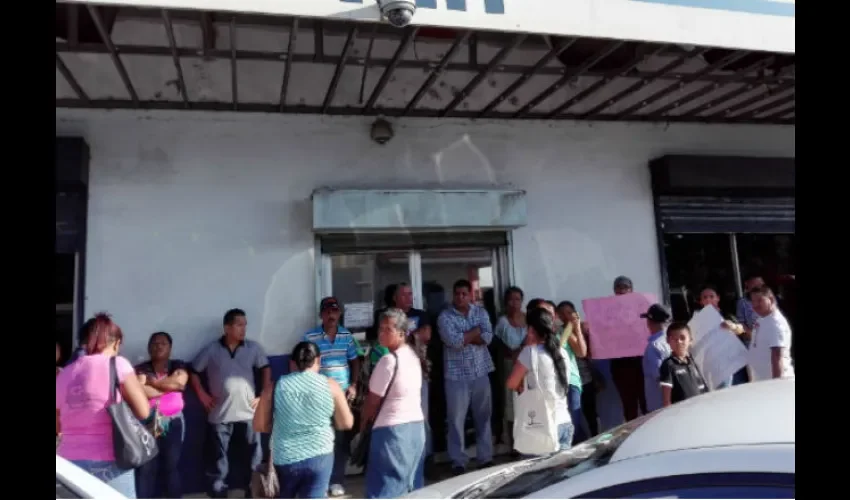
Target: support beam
(689, 97)
(774, 107)
(568, 77)
(69, 77)
(519, 82)
(113, 54)
(349, 41)
(409, 36)
(318, 41)
(172, 43)
(234, 73)
(436, 71)
(727, 97)
(287, 66)
(643, 82)
(477, 79)
(366, 63)
(208, 35)
(73, 24)
(657, 96)
(575, 99)
(276, 56)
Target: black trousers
(628, 379)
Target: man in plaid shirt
(466, 332)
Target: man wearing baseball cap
(340, 361)
(657, 350)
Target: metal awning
(503, 75)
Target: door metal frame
(502, 263)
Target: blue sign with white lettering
(490, 6)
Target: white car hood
(449, 487)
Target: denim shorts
(123, 481)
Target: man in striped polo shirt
(339, 361)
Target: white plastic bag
(535, 429)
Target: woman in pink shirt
(398, 435)
(163, 380)
(82, 397)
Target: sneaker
(336, 490)
(458, 470)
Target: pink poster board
(616, 328)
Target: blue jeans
(342, 450)
(160, 478)
(223, 436)
(741, 377)
(123, 481)
(565, 435)
(419, 480)
(462, 396)
(394, 454)
(576, 415)
(308, 478)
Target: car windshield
(530, 476)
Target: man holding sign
(618, 333)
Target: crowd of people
(327, 397)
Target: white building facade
(223, 154)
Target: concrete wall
(192, 213)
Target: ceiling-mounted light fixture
(381, 131)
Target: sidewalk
(356, 485)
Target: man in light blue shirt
(340, 361)
(657, 350)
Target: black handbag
(360, 451)
(134, 445)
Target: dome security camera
(399, 13)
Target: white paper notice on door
(358, 315)
(717, 351)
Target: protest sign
(717, 351)
(616, 328)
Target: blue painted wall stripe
(490, 6)
(456, 5)
(764, 7)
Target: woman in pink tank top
(82, 396)
(163, 380)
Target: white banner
(767, 25)
(717, 352)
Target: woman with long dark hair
(83, 394)
(552, 368)
(302, 443)
(511, 330)
(397, 446)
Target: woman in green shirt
(572, 339)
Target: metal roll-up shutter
(371, 242)
(707, 214)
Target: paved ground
(356, 485)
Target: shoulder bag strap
(389, 386)
(113, 381)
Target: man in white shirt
(769, 352)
